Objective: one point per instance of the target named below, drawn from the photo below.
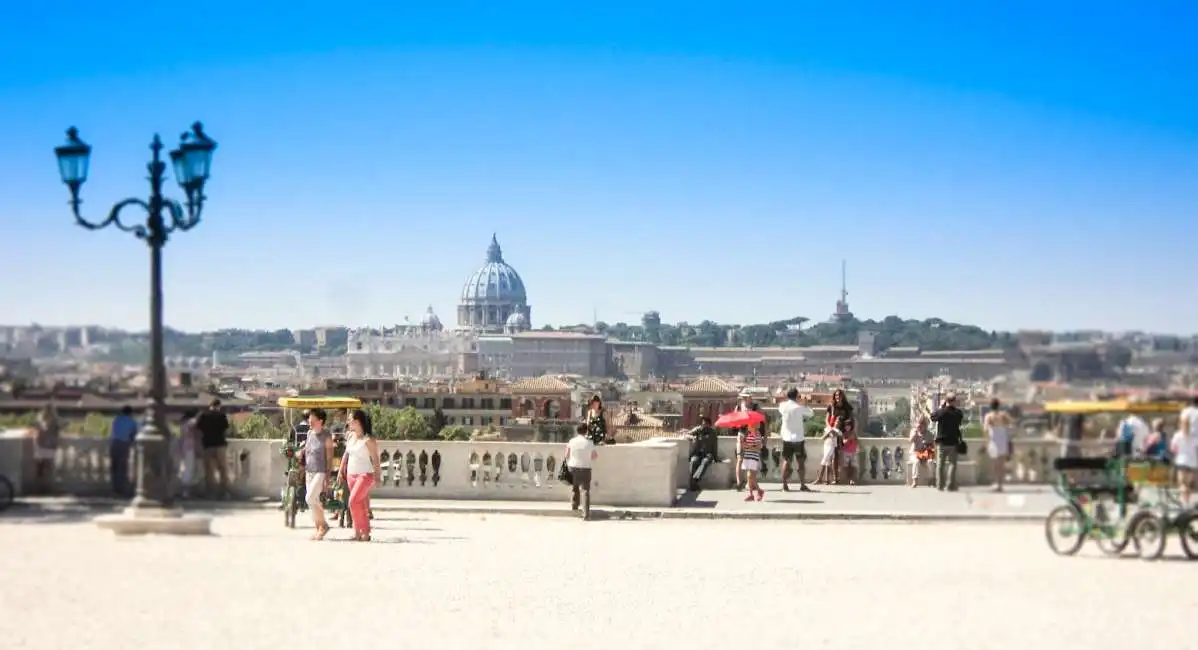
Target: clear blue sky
(1010, 164)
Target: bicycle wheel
(8, 493)
(1187, 530)
(1065, 530)
(1149, 533)
(1113, 532)
(289, 507)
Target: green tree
(259, 427)
(972, 430)
(875, 428)
(898, 418)
(95, 424)
(411, 425)
(455, 432)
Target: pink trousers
(359, 492)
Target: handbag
(565, 475)
(962, 448)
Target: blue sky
(1010, 164)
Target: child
(750, 460)
(831, 435)
(921, 450)
(850, 456)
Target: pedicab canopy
(320, 402)
(1093, 407)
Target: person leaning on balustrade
(705, 442)
(596, 422)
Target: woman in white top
(1185, 450)
(361, 469)
(997, 424)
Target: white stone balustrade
(647, 473)
(884, 461)
(625, 475)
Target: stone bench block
(720, 476)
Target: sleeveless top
(316, 458)
(358, 457)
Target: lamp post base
(148, 520)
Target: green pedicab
(293, 486)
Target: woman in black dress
(596, 422)
(840, 416)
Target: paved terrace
(1018, 503)
(471, 581)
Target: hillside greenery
(927, 334)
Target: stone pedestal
(155, 521)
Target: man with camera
(949, 442)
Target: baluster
(499, 467)
(525, 470)
(385, 461)
(410, 465)
(487, 469)
(513, 466)
(473, 465)
(538, 469)
(436, 467)
(423, 464)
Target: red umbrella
(738, 419)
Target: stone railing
(624, 475)
(885, 460)
(647, 473)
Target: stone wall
(625, 475)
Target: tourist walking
(920, 451)
(840, 418)
(997, 425)
(121, 435)
(47, 430)
(793, 431)
(744, 405)
(948, 419)
(187, 447)
(596, 422)
(752, 442)
(361, 468)
(1185, 451)
(214, 442)
(705, 441)
(580, 458)
(316, 457)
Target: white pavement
(459, 581)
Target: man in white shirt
(794, 434)
(580, 455)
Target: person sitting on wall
(704, 446)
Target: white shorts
(750, 464)
(316, 482)
(42, 453)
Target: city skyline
(970, 164)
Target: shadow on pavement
(21, 513)
(691, 500)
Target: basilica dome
(430, 321)
(493, 294)
(494, 281)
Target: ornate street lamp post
(192, 162)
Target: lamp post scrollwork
(192, 163)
